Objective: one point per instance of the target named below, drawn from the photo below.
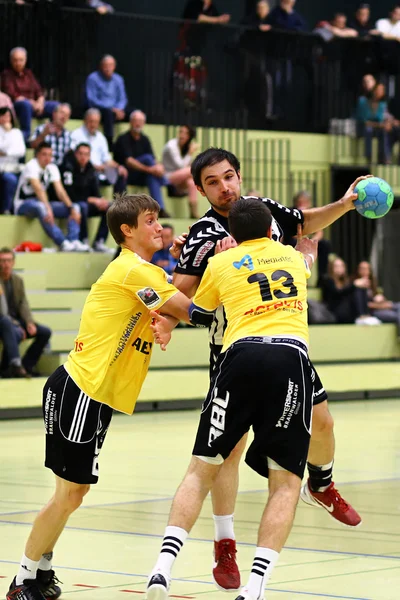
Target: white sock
(223, 527)
(174, 538)
(263, 564)
(27, 569)
(45, 562)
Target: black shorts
(268, 387)
(76, 427)
(320, 394)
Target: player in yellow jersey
(263, 379)
(104, 371)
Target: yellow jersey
(262, 286)
(113, 348)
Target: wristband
(312, 259)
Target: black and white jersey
(204, 234)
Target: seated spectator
(335, 28)
(193, 37)
(108, 170)
(347, 300)
(371, 122)
(17, 322)
(303, 201)
(55, 133)
(368, 84)
(163, 258)
(258, 19)
(105, 90)
(253, 193)
(176, 158)
(284, 16)
(12, 150)
(100, 7)
(133, 149)
(31, 200)
(383, 309)
(25, 91)
(82, 186)
(362, 21)
(6, 102)
(390, 28)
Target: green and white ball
(375, 198)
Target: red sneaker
(333, 502)
(225, 572)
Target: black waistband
(266, 339)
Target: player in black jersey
(216, 173)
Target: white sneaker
(80, 246)
(245, 595)
(100, 246)
(67, 246)
(158, 585)
(368, 320)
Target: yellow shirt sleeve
(207, 295)
(149, 285)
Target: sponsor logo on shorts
(291, 407)
(149, 297)
(49, 411)
(201, 252)
(218, 414)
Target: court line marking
(247, 544)
(105, 505)
(166, 498)
(184, 580)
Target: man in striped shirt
(54, 133)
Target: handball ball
(375, 198)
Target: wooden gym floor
(111, 544)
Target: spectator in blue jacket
(284, 16)
(371, 122)
(105, 90)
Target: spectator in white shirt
(390, 28)
(109, 172)
(177, 157)
(32, 201)
(12, 149)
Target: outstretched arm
(323, 216)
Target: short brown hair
(249, 219)
(126, 209)
(6, 250)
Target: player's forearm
(187, 284)
(323, 216)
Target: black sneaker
(158, 586)
(29, 590)
(47, 581)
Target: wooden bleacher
(353, 361)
